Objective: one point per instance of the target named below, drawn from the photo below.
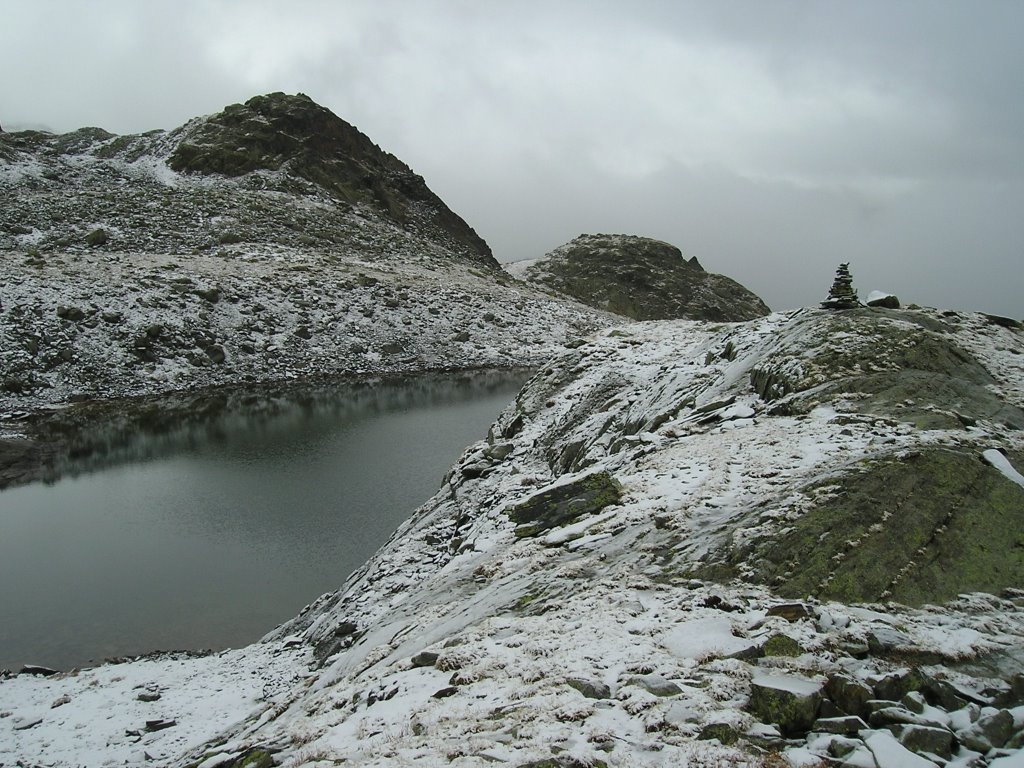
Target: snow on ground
(99, 716)
(461, 644)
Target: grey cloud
(772, 140)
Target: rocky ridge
(590, 586)
(640, 278)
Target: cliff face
(640, 278)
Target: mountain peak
(294, 134)
(642, 278)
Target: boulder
(883, 300)
(925, 739)
(724, 732)
(564, 502)
(889, 753)
(788, 701)
(424, 659)
(592, 689)
(850, 725)
(851, 696)
(655, 685)
(782, 645)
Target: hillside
(682, 544)
(272, 241)
(640, 278)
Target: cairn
(842, 294)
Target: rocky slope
(640, 278)
(271, 241)
(682, 544)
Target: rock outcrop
(640, 278)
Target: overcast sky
(772, 139)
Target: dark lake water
(208, 532)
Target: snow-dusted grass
(703, 463)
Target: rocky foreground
(788, 541)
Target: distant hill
(641, 278)
(327, 171)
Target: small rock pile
(842, 295)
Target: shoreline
(45, 444)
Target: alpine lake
(202, 522)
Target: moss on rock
(564, 503)
(917, 529)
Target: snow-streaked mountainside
(794, 540)
(271, 241)
(641, 278)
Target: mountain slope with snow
(590, 585)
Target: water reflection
(214, 519)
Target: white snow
(1000, 462)
(889, 753)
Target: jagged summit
(278, 170)
(640, 277)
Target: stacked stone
(842, 294)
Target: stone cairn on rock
(842, 294)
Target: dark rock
(787, 701)
(35, 669)
(940, 693)
(160, 724)
(894, 686)
(342, 637)
(461, 336)
(112, 317)
(154, 331)
(590, 688)
(1005, 322)
(642, 278)
(840, 747)
(216, 353)
(897, 715)
(564, 503)
(850, 725)
(424, 659)
(211, 295)
(914, 701)
(655, 685)
(923, 738)
(444, 693)
(884, 640)
(724, 732)
(886, 302)
(790, 611)
(782, 645)
(303, 332)
(74, 314)
(997, 726)
(97, 238)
